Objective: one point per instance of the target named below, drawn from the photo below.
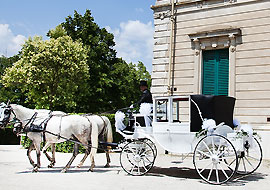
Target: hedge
(67, 147)
(7, 137)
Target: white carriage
(196, 124)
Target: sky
(131, 22)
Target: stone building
(217, 47)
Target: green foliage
(12, 93)
(76, 70)
(50, 72)
(25, 142)
(113, 83)
(59, 31)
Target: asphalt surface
(169, 172)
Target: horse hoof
(64, 171)
(107, 166)
(50, 166)
(91, 170)
(35, 170)
(79, 166)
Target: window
(215, 77)
(162, 110)
(176, 116)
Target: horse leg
(75, 153)
(37, 146)
(87, 152)
(94, 144)
(51, 159)
(92, 163)
(108, 159)
(31, 147)
(44, 150)
(53, 155)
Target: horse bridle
(18, 127)
(7, 110)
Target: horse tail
(94, 139)
(109, 130)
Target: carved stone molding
(225, 32)
(212, 39)
(162, 15)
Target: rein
(74, 141)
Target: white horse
(104, 134)
(74, 127)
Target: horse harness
(30, 126)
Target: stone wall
(249, 50)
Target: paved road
(169, 173)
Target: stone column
(197, 66)
(232, 62)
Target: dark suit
(145, 98)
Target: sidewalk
(169, 172)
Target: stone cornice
(202, 3)
(215, 33)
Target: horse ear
(8, 102)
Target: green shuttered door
(215, 72)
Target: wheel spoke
(254, 158)
(228, 166)
(213, 146)
(219, 146)
(139, 172)
(144, 153)
(204, 153)
(207, 147)
(217, 173)
(147, 160)
(224, 158)
(223, 171)
(209, 175)
(132, 151)
(215, 159)
(144, 166)
(132, 169)
(205, 167)
(232, 162)
(224, 153)
(244, 165)
(249, 163)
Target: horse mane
(22, 112)
(22, 108)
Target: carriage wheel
(152, 144)
(250, 159)
(215, 159)
(137, 157)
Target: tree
(50, 72)
(101, 58)
(113, 83)
(76, 70)
(59, 31)
(12, 93)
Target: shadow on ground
(73, 169)
(191, 173)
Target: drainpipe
(170, 90)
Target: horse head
(5, 118)
(5, 113)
